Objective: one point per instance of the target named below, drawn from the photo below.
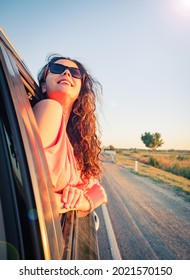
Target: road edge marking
(111, 236)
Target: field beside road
(160, 166)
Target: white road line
(111, 236)
(113, 158)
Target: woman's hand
(73, 198)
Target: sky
(139, 50)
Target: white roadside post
(136, 165)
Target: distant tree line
(151, 140)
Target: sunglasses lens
(75, 72)
(56, 68)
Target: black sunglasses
(57, 68)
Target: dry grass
(180, 184)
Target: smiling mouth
(64, 82)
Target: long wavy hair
(83, 125)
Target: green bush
(180, 171)
(184, 172)
(154, 162)
(180, 157)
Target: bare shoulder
(48, 114)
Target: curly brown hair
(82, 125)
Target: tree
(112, 147)
(152, 141)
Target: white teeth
(64, 82)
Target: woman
(67, 124)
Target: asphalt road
(149, 220)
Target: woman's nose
(66, 72)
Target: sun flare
(182, 7)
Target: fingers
(79, 201)
(76, 198)
(65, 194)
(71, 196)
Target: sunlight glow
(182, 7)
